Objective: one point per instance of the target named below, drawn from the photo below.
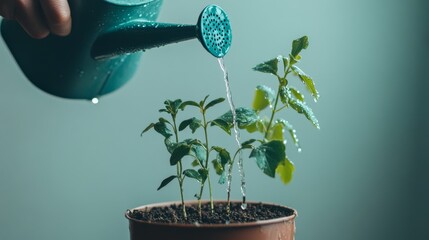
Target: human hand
(39, 17)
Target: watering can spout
(212, 30)
(93, 61)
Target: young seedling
(270, 149)
(163, 127)
(198, 150)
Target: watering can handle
(39, 21)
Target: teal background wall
(69, 169)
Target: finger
(57, 15)
(7, 9)
(28, 15)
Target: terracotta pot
(274, 229)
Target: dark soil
(173, 213)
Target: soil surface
(173, 213)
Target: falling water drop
(94, 100)
(299, 149)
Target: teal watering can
(103, 50)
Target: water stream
(237, 136)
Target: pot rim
(231, 225)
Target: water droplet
(299, 149)
(227, 222)
(244, 206)
(94, 100)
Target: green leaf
(166, 181)
(191, 173)
(179, 152)
(170, 145)
(200, 152)
(269, 66)
(214, 102)
(285, 170)
(162, 129)
(218, 167)
(302, 108)
(285, 63)
(204, 173)
(222, 178)
(222, 124)
(269, 155)
(248, 142)
(276, 132)
(308, 82)
(202, 102)
(195, 163)
(264, 96)
(296, 94)
(189, 103)
(193, 124)
(298, 45)
(223, 155)
(172, 107)
(291, 131)
(148, 128)
(245, 117)
(285, 94)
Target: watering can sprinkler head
(94, 59)
(213, 30)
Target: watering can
(107, 39)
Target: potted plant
(209, 219)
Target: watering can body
(63, 66)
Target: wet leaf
(166, 181)
(179, 152)
(245, 117)
(264, 97)
(269, 155)
(308, 82)
(285, 170)
(269, 66)
(302, 108)
(291, 131)
(296, 94)
(276, 132)
(298, 45)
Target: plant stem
(179, 171)
(273, 112)
(231, 164)
(207, 160)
